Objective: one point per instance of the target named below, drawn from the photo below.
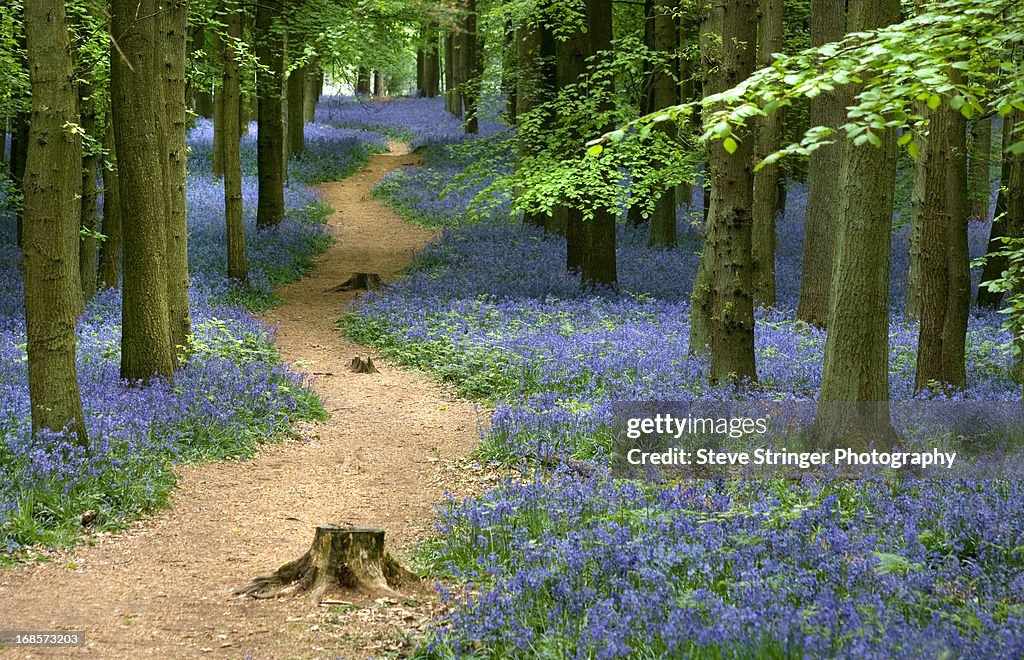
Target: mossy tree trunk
(828, 23)
(238, 265)
(52, 211)
(146, 349)
(270, 151)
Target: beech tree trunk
(110, 249)
(570, 57)
(362, 81)
(766, 180)
(828, 19)
(431, 65)
(309, 97)
(599, 266)
(173, 26)
(856, 365)
(701, 296)
(944, 272)
(238, 265)
(296, 125)
(472, 67)
(88, 245)
(533, 85)
(980, 163)
(452, 94)
(731, 322)
(270, 151)
(1007, 223)
(51, 185)
(146, 349)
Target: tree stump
(343, 559)
(368, 281)
(361, 366)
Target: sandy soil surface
(396, 441)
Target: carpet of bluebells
(566, 562)
(233, 394)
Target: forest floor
(395, 443)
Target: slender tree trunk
(731, 322)
(912, 311)
(146, 349)
(238, 266)
(19, 157)
(820, 230)
(701, 296)
(1005, 223)
(766, 188)
(88, 245)
(270, 156)
(51, 211)
(473, 68)
(309, 91)
(362, 81)
(570, 57)
(856, 367)
(296, 128)
(110, 249)
(664, 92)
(421, 59)
(599, 266)
(978, 177)
(431, 65)
(530, 90)
(452, 96)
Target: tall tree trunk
(110, 249)
(431, 65)
(19, 157)
(296, 127)
(701, 295)
(731, 322)
(599, 267)
(146, 349)
(1005, 224)
(531, 89)
(452, 94)
(309, 98)
(978, 177)
(270, 156)
(766, 180)
(472, 67)
(88, 245)
(820, 230)
(362, 81)
(174, 26)
(570, 58)
(238, 266)
(378, 84)
(856, 367)
(51, 220)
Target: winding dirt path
(162, 588)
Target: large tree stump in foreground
(341, 559)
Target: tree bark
(296, 126)
(599, 266)
(701, 295)
(1005, 224)
(856, 365)
(238, 266)
(173, 26)
(51, 220)
(532, 86)
(570, 57)
(980, 162)
(820, 230)
(110, 249)
(472, 67)
(146, 349)
(452, 93)
(766, 180)
(362, 81)
(88, 244)
(309, 97)
(270, 151)
(731, 322)
(431, 65)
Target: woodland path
(391, 448)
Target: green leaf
(933, 101)
(595, 150)
(914, 149)
(873, 139)
(729, 145)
